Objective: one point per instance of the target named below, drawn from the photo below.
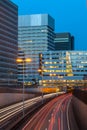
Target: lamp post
(40, 71)
(23, 61)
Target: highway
(53, 116)
(9, 112)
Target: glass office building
(64, 41)
(35, 35)
(8, 43)
(63, 68)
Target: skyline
(66, 19)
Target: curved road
(53, 116)
(7, 114)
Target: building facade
(8, 43)
(64, 41)
(35, 35)
(63, 68)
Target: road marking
(59, 123)
(57, 110)
(52, 114)
(49, 120)
(61, 120)
(68, 115)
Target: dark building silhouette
(72, 42)
(64, 41)
(8, 43)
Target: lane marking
(57, 110)
(62, 120)
(68, 114)
(59, 123)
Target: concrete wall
(80, 111)
(10, 98)
(72, 122)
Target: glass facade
(63, 68)
(8, 43)
(35, 35)
(64, 41)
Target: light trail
(17, 104)
(68, 114)
(10, 111)
(56, 110)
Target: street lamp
(40, 71)
(23, 61)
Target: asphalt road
(53, 116)
(8, 114)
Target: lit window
(29, 41)
(43, 30)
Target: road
(53, 116)
(8, 113)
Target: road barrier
(79, 103)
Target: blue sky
(70, 16)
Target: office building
(63, 68)
(35, 35)
(8, 43)
(21, 66)
(64, 41)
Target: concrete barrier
(72, 122)
(10, 96)
(79, 102)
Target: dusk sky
(70, 16)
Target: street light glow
(27, 60)
(39, 70)
(19, 60)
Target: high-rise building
(64, 41)
(21, 65)
(35, 35)
(8, 43)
